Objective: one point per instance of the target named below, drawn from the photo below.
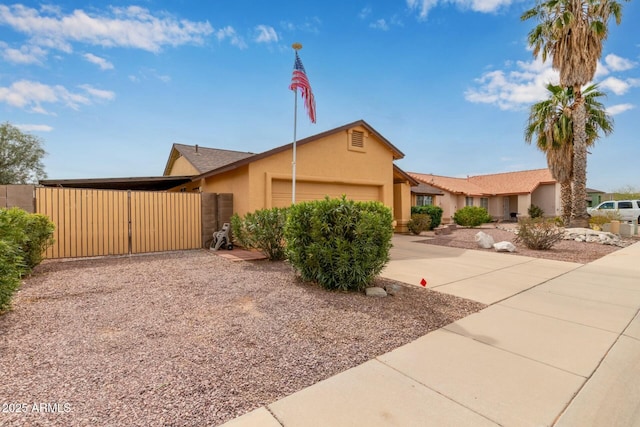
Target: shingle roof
(205, 159)
(521, 182)
(423, 188)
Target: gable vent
(357, 139)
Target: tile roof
(450, 184)
(521, 182)
(205, 159)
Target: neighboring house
(504, 195)
(354, 160)
(594, 197)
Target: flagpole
(296, 47)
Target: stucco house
(504, 195)
(354, 160)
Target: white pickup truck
(628, 210)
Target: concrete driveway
(558, 345)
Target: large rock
(484, 240)
(375, 292)
(592, 236)
(392, 289)
(504, 247)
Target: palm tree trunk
(579, 216)
(565, 199)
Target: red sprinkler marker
(423, 282)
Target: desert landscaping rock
(484, 240)
(190, 338)
(392, 288)
(565, 250)
(375, 291)
(504, 247)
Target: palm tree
(572, 32)
(550, 122)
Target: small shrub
(339, 243)
(598, 221)
(262, 230)
(434, 212)
(471, 216)
(11, 268)
(31, 233)
(419, 223)
(535, 211)
(538, 233)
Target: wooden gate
(109, 222)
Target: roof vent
(196, 148)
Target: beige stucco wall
(326, 162)
(402, 202)
(547, 197)
(181, 167)
(235, 182)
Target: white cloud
(100, 62)
(229, 33)
(27, 54)
(484, 6)
(35, 128)
(619, 108)
(365, 12)
(311, 25)
(617, 63)
(513, 90)
(31, 96)
(133, 27)
(266, 34)
(98, 93)
(617, 86)
(380, 24)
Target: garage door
(306, 191)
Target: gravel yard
(188, 338)
(565, 250)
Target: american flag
(300, 81)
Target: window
(484, 203)
(608, 205)
(625, 205)
(468, 201)
(422, 200)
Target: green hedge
(471, 216)
(419, 223)
(434, 212)
(23, 239)
(339, 243)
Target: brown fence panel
(88, 222)
(165, 221)
(109, 222)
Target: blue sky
(110, 87)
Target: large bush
(419, 223)
(23, 239)
(539, 233)
(339, 243)
(471, 216)
(262, 230)
(434, 212)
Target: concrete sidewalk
(558, 345)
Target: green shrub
(535, 211)
(539, 233)
(471, 216)
(339, 243)
(262, 230)
(11, 269)
(434, 212)
(31, 233)
(419, 223)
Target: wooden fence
(109, 222)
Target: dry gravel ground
(565, 250)
(188, 338)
